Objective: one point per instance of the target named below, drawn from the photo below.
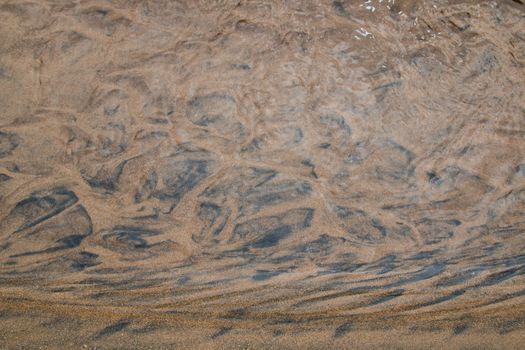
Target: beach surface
(266, 174)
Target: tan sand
(262, 174)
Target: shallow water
(262, 174)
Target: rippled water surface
(262, 174)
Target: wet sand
(262, 174)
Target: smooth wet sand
(262, 174)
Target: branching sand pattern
(262, 174)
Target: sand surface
(262, 174)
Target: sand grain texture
(262, 174)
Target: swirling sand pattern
(262, 174)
